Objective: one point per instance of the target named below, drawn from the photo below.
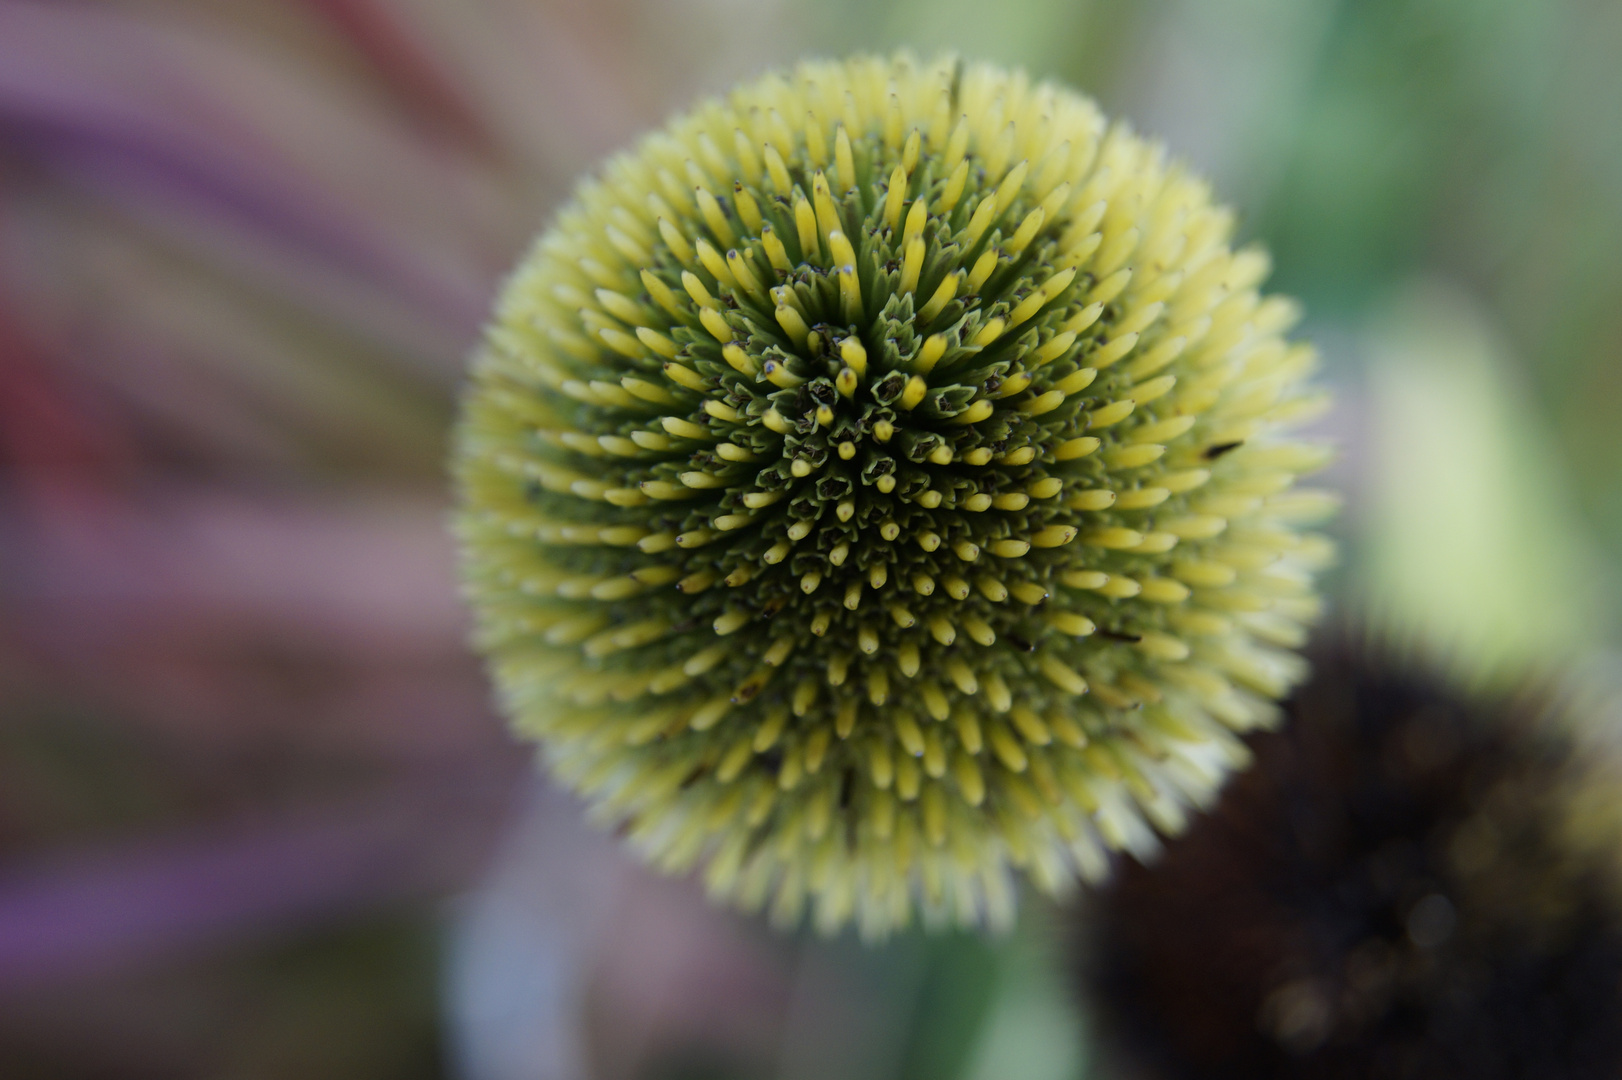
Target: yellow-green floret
(871, 483)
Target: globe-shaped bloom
(871, 483)
(1416, 878)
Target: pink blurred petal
(358, 566)
(330, 624)
(273, 143)
(222, 364)
(399, 54)
(106, 238)
(89, 915)
(551, 78)
(45, 425)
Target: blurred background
(257, 818)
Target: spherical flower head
(871, 483)
(1395, 888)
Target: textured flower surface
(870, 484)
(1394, 889)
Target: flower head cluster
(871, 483)
(1411, 880)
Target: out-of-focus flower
(1411, 880)
(873, 481)
(244, 252)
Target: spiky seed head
(871, 482)
(1412, 880)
